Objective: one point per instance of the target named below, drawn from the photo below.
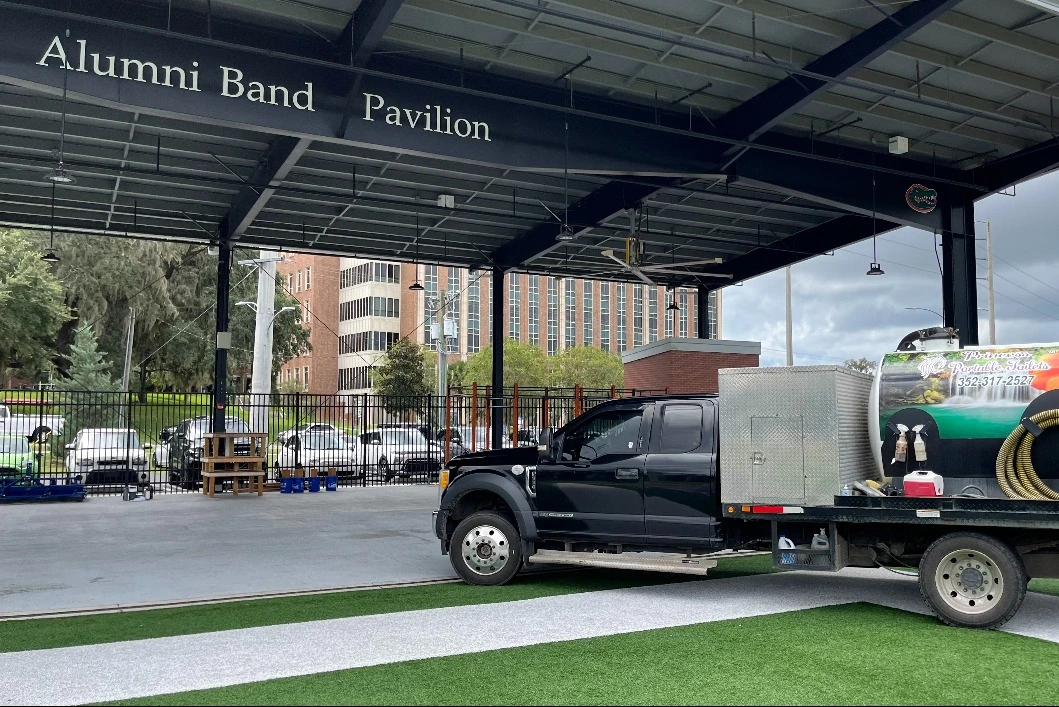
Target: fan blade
(550, 211)
(639, 273)
(689, 263)
(688, 273)
(616, 259)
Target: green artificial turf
(1045, 586)
(106, 628)
(843, 655)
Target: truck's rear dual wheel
(972, 580)
(486, 549)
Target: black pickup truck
(635, 484)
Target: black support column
(497, 303)
(960, 272)
(702, 304)
(224, 336)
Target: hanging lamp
(60, 175)
(566, 234)
(875, 268)
(417, 286)
(50, 257)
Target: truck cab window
(681, 429)
(613, 432)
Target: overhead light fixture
(875, 269)
(566, 234)
(417, 286)
(59, 175)
(673, 306)
(50, 257)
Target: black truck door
(681, 490)
(595, 489)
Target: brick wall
(683, 371)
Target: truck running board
(675, 564)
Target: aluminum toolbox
(793, 436)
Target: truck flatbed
(980, 512)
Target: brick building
(686, 365)
(359, 308)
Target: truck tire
(486, 550)
(971, 580)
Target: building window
(652, 315)
(299, 281)
(358, 378)
(389, 307)
(683, 314)
(604, 316)
(306, 379)
(637, 315)
(290, 283)
(514, 305)
(452, 310)
(430, 282)
(570, 304)
(621, 317)
(474, 316)
(308, 277)
(534, 310)
(589, 336)
(553, 316)
(308, 314)
(668, 314)
(367, 341)
(370, 272)
(487, 286)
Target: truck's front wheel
(972, 580)
(486, 549)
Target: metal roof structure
(754, 131)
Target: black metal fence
(111, 440)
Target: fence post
(514, 417)
(544, 411)
(448, 421)
(613, 392)
(297, 423)
(363, 429)
(489, 416)
(578, 404)
(474, 417)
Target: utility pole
(790, 322)
(992, 294)
(126, 374)
(443, 348)
(719, 312)
(261, 380)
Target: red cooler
(924, 484)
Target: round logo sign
(922, 199)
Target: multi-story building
(313, 280)
(374, 308)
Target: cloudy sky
(841, 313)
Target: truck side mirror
(546, 445)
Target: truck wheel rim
(969, 582)
(486, 550)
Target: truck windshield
(14, 445)
(111, 439)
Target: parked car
(317, 428)
(526, 438)
(186, 448)
(27, 425)
(16, 458)
(456, 446)
(321, 450)
(107, 455)
(161, 450)
(403, 453)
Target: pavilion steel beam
(837, 233)
(1007, 171)
(770, 107)
(960, 272)
(497, 303)
(282, 154)
(360, 38)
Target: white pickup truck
(26, 425)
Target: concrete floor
(106, 552)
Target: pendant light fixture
(59, 175)
(566, 234)
(875, 268)
(50, 257)
(673, 306)
(417, 286)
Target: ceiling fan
(634, 260)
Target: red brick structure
(313, 281)
(686, 365)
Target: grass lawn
(106, 628)
(844, 655)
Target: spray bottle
(901, 450)
(920, 445)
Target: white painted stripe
(165, 665)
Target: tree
(402, 378)
(589, 367)
(524, 364)
(89, 369)
(31, 307)
(864, 365)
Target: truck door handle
(627, 474)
